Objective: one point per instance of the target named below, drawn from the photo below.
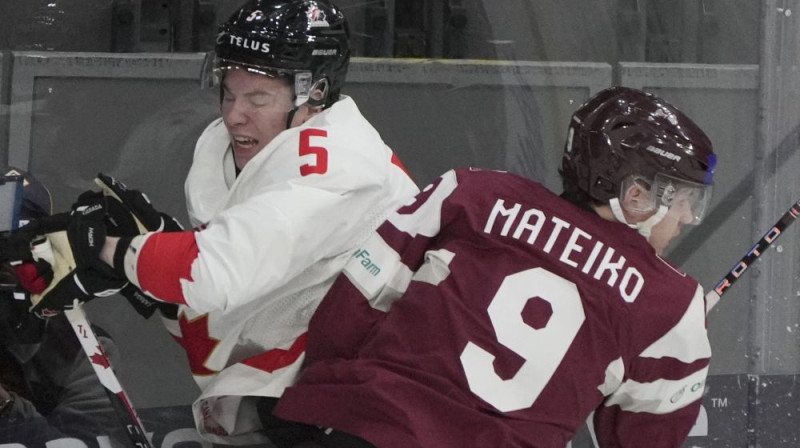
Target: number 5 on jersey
(317, 162)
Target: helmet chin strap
(290, 117)
(644, 227)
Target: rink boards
(66, 116)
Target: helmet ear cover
(318, 93)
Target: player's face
(254, 108)
(678, 215)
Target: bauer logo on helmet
(662, 153)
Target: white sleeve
(256, 247)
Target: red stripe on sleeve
(164, 260)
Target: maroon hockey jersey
(492, 313)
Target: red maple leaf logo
(100, 359)
(197, 343)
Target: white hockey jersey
(269, 245)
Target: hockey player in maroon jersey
(494, 313)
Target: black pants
(288, 434)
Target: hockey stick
(713, 296)
(91, 346)
(99, 361)
(41, 202)
(102, 368)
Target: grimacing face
(254, 108)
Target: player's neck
(604, 211)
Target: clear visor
(687, 200)
(214, 69)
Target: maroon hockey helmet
(305, 40)
(623, 132)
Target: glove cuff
(119, 255)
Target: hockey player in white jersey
(282, 187)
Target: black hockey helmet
(623, 133)
(306, 40)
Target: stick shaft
(753, 254)
(102, 368)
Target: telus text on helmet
(250, 44)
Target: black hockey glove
(82, 285)
(19, 266)
(86, 230)
(131, 213)
(15, 245)
(78, 272)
